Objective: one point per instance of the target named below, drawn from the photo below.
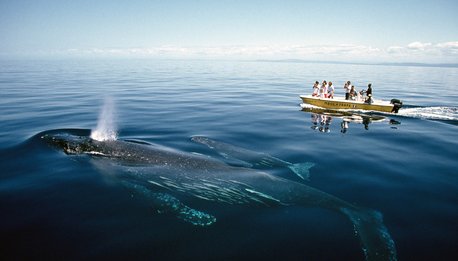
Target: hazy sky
(402, 30)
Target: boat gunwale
(342, 100)
(341, 104)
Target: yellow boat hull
(338, 103)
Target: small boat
(340, 103)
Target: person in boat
(330, 91)
(347, 88)
(369, 94)
(324, 90)
(316, 89)
(360, 95)
(352, 94)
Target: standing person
(330, 91)
(369, 89)
(316, 89)
(347, 88)
(369, 94)
(324, 90)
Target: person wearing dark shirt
(353, 94)
(369, 94)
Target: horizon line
(414, 64)
(209, 59)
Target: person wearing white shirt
(330, 91)
(316, 89)
(324, 90)
(347, 88)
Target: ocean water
(58, 206)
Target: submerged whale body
(151, 168)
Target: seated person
(369, 99)
(353, 93)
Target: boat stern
(397, 104)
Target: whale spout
(106, 125)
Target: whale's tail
(376, 242)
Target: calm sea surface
(56, 206)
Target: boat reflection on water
(322, 119)
(320, 122)
(365, 120)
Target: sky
(363, 31)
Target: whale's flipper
(302, 170)
(237, 156)
(376, 242)
(166, 203)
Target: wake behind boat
(339, 103)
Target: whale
(164, 175)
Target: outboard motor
(397, 104)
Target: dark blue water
(55, 206)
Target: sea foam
(431, 113)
